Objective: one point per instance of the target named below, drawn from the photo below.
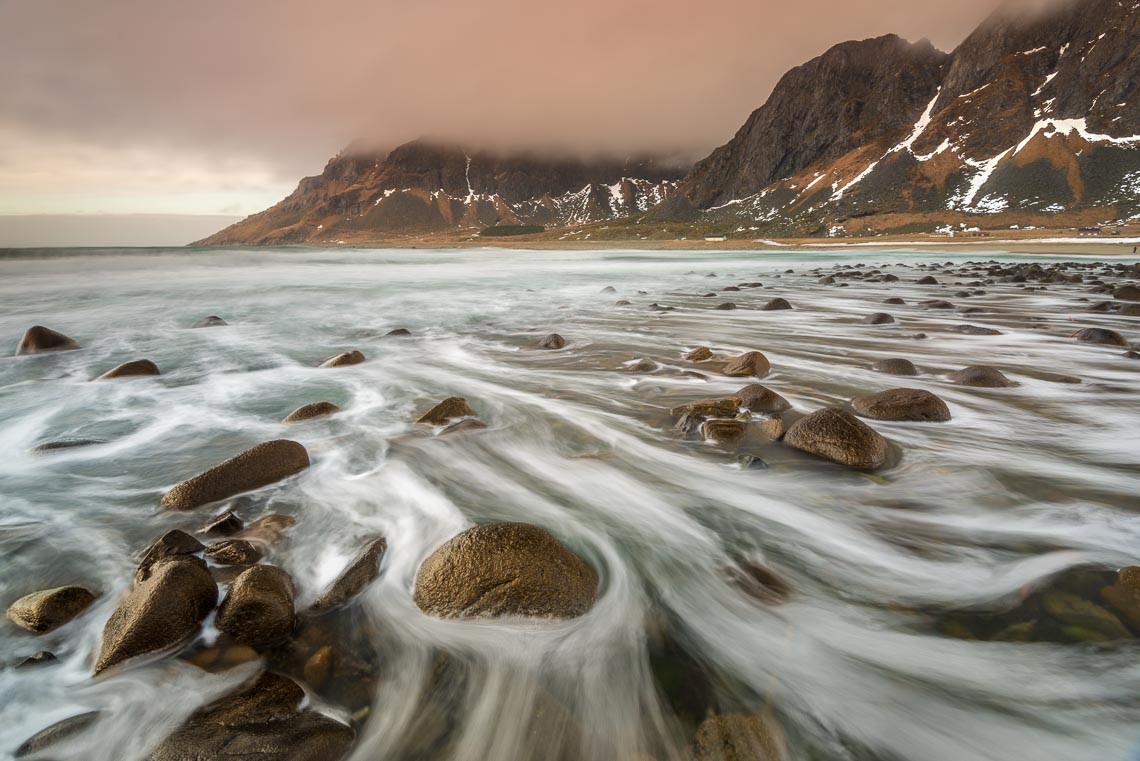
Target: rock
(772, 429)
(752, 364)
(233, 552)
(895, 301)
(505, 569)
(40, 340)
(1127, 293)
(699, 354)
(727, 432)
(1073, 610)
(174, 543)
(739, 737)
(163, 611)
(839, 436)
(609, 289)
(552, 341)
(254, 468)
(1102, 336)
(759, 582)
(938, 304)
(776, 305)
(895, 366)
(53, 446)
(728, 306)
(310, 411)
(879, 318)
(258, 609)
(1124, 595)
(222, 525)
(60, 732)
(359, 573)
(263, 722)
(319, 667)
(397, 333)
(981, 376)
(975, 330)
(464, 426)
(41, 658)
(1131, 355)
(213, 321)
(899, 404)
(43, 611)
(449, 409)
(343, 360)
(688, 422)
(139, 367)
(621, 303)
(1130, 310)
(706, 408)
(928, 280)
(757, 398)
(643, 365)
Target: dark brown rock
(137, 368)
(895, 366)
(727, 432)
(1124, 595)
(233, 552)
(1127, 293)
(706, 408)
(903, 404)
(552, 341)
(839, 436)
(757, 398)
(975, 330)
(927, 280)
(505, 569)
(213, 321)
(258, 609)
(310, 411)
(981, 376)
(174, 543)
(254, 468)
(449, 409)
(225, 524)
(699, 354)
(43, 611)
(753, 364)
(879, 318)
(398, 333)
(60, 732)
(343, 360)
(776, 305)
(727, 306)
(1102, 336)
(40, 340)
(359, 573)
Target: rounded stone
(213, 321)
(879, 318)
(254, 468)
(699, 354)
(505, 569)
(727, 306)
(43, 611)
(776, 305)
(895, 366)
(1127, 293)
(449, 409)
(136, 368)
(343, 360)
(1102, 336)
(311, 411)
(233, 552)
(752, 364)
(40, 340)
(902, 404)
(258, 609)
(552, 341)
(839, 436)
(981, 376)
(757, 398)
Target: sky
(157, 107)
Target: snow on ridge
(1044, 84)
(1052, 127)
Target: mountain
(423, 187)
(1028, 119)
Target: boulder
(902, 404)
(43, 611)
(174, 543)
(552, 341)
(310, 411)
(263, 721)
(258, 609)
(505, 569)
(359, 573)
(699, 354)
(975, 330)
(706, 408)
(927, 280)
(449, 409)
(739, 737)
(254, 468)
(163, 611)
(1124, 595)
(41, 658)
(727, 306)
(776, 305)
(225, 524)
(397, 333)
(1127, 293)
(136, 368)
(213, 321)
(60, 732)
(343, 360)
(839, 436)
(1130, 310)
(1102, 336)
(58, 444)
(937, 304)
(981, 376)
(727, 432)
(233, 552)
(40, 340)
(895, 366)
(895, 301)
(752, 364)
(757, 398)
(879, 318)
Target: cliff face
(425, 187)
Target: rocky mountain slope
(423, 187)
(1028, 117)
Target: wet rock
(776, 305)
(727, 432)
(254, 468)
(1127, 293)
(464, 426)
(258, 609)
(41, 340)
(758, 581)
(552, 341)
(163, 611)
(981, 376)
(174, 543)
(895, 366)
(757, 398)
(1124, 595)
(752, 364)
(706, 408)
(621, 303)
(643, 365)
(609, 289)
(927, 280)
(213, 321)
(699, 354)
(895, 300)
(772, 429)
(975, 330)
(343, 360)
(60, 732)
(42, 658)
(263, 722)
(739, 737)
(839, 436)
(359, 573)
(1130, 310)
(728, 306)
(688, 422)
(505, 569)
(48, 609)
(1102, 336)
(1131, 355)
(311, 411)
(879, 318)
(1075, 611)
(938, 304)
(233, 552)
(58, 444)
(268, 529)
(449, 409)
(225, 524)
(319, 667)
(398, 333)
(137, 368)
(902, 404)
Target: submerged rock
(258, 610)
(54, 446)
(699, 354)
(449, 409)
(1102, 336)
(397, 333)
(879, 318)
(757, 398)
(1127, 293)
(311, 411)
(60, 732)
(895, 366)
(552, 341)
(981, 376)
(776, 305)
(727, 432)
(903, 404)
(213, 321)
(706, 408)
(254, 468)
(137, 368)
(43, 611)
(223, 525)
(359, 573)
(975, 330)
(839, 436)
(752, 364)
(163, 611)
(1124, 595)
(344, 359)
(41, 658)
(469, 425)
(739, 737)
(41, 340)
(505, 569)
(233, 552)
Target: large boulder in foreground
(258, 610)
(839, 436)
(361, 572)
(902, 404)
(41, 340)
(505, 569)
(134, 369)
(159, 613)
(750, 365)
(263, 721)
(259, 466)
(739, 737)
(43, 611)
